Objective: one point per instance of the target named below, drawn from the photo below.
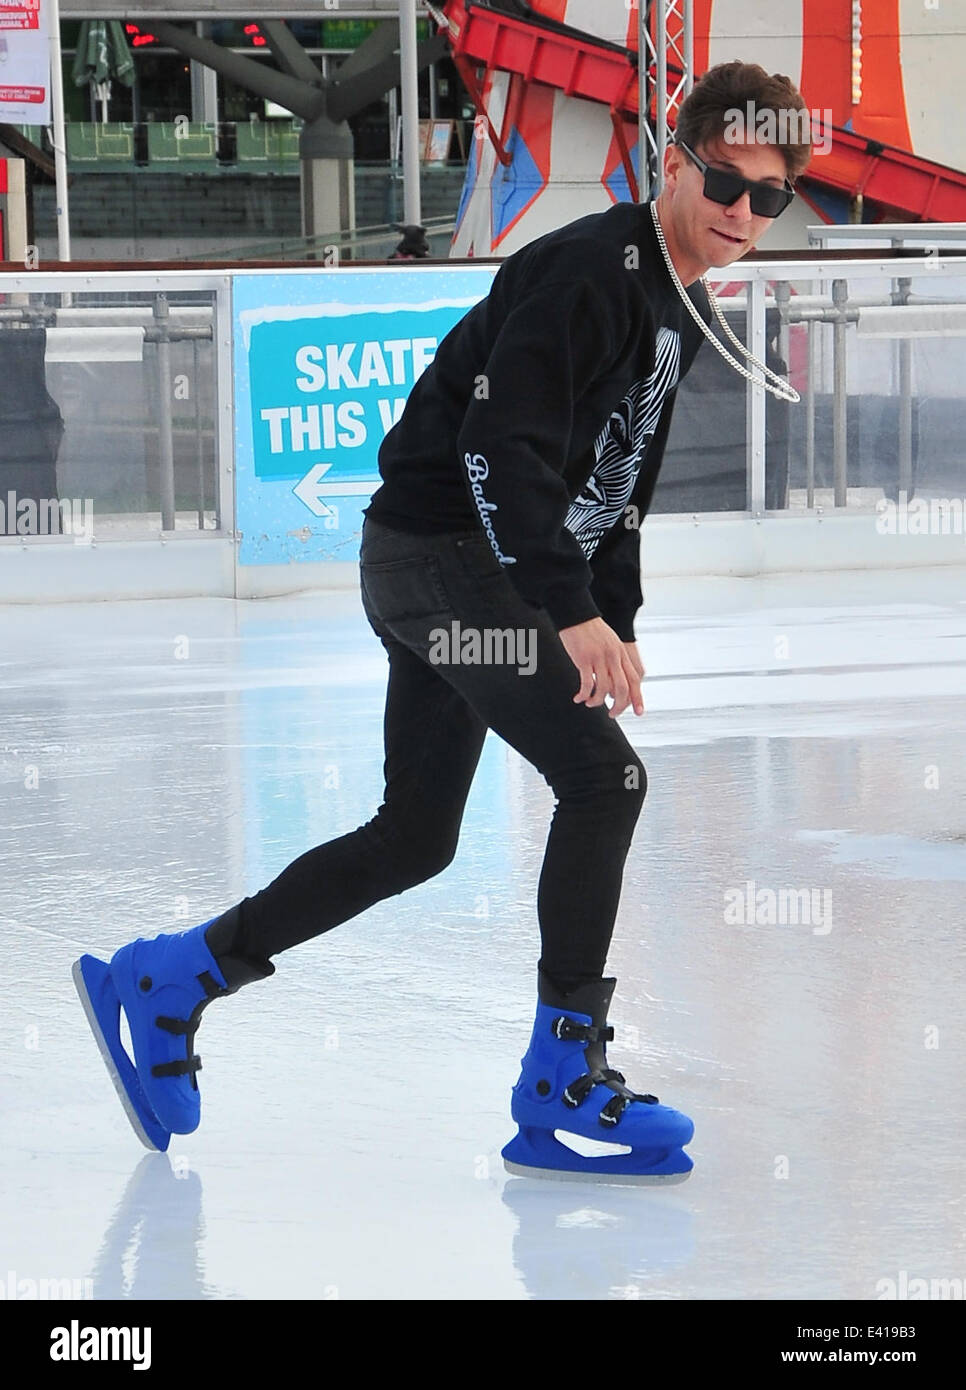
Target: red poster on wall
(19, 14)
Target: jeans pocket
(407, 588)
(477, 558)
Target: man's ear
(673, 159)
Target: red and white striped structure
(557, 131)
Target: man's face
(711, 233)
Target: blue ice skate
(566, 1085)
(162, 985)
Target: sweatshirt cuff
(569, 607)
(623, 625)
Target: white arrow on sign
(311, 489)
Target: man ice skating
(514, 485)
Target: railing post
(783, 296)
(905, 400)
(813, 331)
(199, 450)
(165, 419)
(755, 398)
(224, 411)
(840, 295)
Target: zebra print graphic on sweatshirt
(620, 448)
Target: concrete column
(204, 86)
(328, 178)
(409, 75)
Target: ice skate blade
(92, 975)
(539, 1153)
(521, 1170)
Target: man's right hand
(605, 666)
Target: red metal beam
(578, 67)
(921, 188)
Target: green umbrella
(102, 55)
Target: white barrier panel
(912, 321)
(95, 345)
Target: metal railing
(159, 414)
(376, 242)
(838, 304)
(895, 314)
(888, 234)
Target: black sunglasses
(721, 186)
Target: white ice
(161, 759)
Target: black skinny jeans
(437, 714)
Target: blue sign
(324, 363)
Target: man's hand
(607, 666)
(635, 657)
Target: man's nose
(742, 206)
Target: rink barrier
(928, 297)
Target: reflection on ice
(897, 856)
(151, 1247)
(615, 1243)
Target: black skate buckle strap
(212, 989)
(611, 1113)
(569, 1030)
(187, 1028)
(578, 1090)
(187, 1068)
(178, 1026)
(613, 1110)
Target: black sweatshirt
(545, 414)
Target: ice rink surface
(161, 759)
